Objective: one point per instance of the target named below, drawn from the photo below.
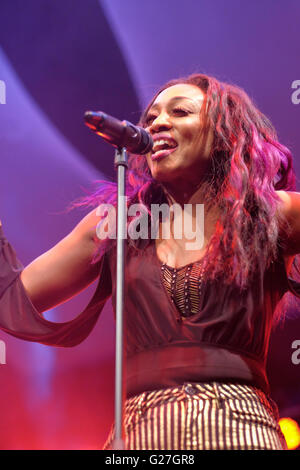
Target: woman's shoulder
(290, 210)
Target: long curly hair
(247, 166)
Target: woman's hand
(65, 269)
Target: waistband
(234, 394)
(173, 364)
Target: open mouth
(163, 147)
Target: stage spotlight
(291, 432)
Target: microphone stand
(112, 130)
(121, 164)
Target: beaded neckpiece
(184, 286)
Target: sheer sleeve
(19, 318)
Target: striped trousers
(201, 416)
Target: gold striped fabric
(206, 416)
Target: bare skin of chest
(174, 252)
(178, 252)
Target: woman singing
(198, 315)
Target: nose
(161, 122)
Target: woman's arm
(65, 269)
(291, 209)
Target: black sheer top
(178, 327)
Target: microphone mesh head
(146, 142)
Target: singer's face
(180, 150)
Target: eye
(149, 119)
(180, 111)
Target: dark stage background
(60, 58)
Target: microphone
(119, 133)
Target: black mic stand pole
(121, 164)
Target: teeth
(161, 142)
